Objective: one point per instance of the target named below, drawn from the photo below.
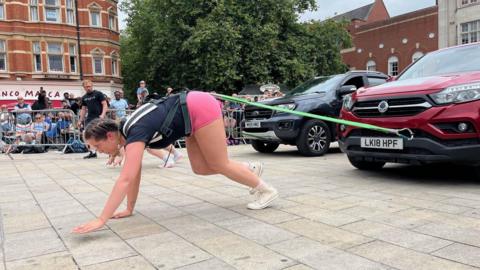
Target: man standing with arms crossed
(95, 104)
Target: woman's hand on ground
(89, 227)
(122, 214)
(118, 161)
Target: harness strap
(165, 128)
(186, 115)
(135, 116)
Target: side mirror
(391, 78)
(347, 89)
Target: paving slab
(404, 238)
(167, 250)
(460, 253)
(31, 244)
(319, 256)
(211, 264)
(242, 253)
(260, 232)
(130, 263)
(402, 258)
(97, 247)
(59, 260)
(325, 234)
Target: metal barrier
(232, 119)
(35, 130)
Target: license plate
(381, 143)
(252, 124)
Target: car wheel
(314, 139)
(366, 165)
(264, 147)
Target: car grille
(257, 113)
(396, 107)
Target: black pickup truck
(321, 95)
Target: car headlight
(347, 102)
(288, 106)
(458, 94)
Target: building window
(95, 18)
(73, 58)
(470, 32)
(2, 9)
(70, 6)
(3, 56)
(416, 56)
(111, 22)
(55, 57)
(464, 2)
(34, 10)
(371, 65)
(98, 64)
(393, 66)
(114, 65)
(52, 10)
(37, 56)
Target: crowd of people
(41, 123)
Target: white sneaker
(177, 157)
(265, 195)
(169, 163)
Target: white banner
(55, 89)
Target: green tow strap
(408, 136)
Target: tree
(224, 44)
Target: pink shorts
(203, 109)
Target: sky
(328, 8)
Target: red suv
(437, 97)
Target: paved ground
(330, 216)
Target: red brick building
(56, 44)
(389, 44)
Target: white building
(458, 22)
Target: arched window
(416, 56)
(114, 62)
(112, 19)
(393, 66)
(95, 15)
(97, 62)
(371, 65)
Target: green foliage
(222, 45)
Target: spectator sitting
(6, 120)
(63, 124)
(39, 127)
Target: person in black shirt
(156, 125)
(95, 104)
(41, 103)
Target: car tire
(264, 147)
(314, 138)
(366, 165)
